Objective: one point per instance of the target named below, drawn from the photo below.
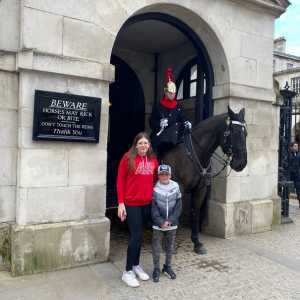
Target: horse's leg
(197, 197)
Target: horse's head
(234, 143)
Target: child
(166, 209)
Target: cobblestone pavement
(258, 266)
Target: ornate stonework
(282, 3)
(277, 7)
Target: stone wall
(9, 42)
(65, 183)
(8, 144)
(9, 25)
(71, 172)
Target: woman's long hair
(132, 153)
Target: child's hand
(165, 224)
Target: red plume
(169, 75)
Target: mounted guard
(167, 121)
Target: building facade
(53, 193)
(286, 69)
(283, 61)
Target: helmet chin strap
(169, 98)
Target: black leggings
(136, 217)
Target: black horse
(192, 171)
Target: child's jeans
(169, 242)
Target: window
(188, 81)
(295, 82)
(289, 66)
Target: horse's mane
(210, 123)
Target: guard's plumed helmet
(170, 85)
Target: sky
(288, 25)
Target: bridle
(206, 172)
(227, 144)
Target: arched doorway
(165, 24)
(149, 43)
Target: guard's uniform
(171, 134)
(167, 120)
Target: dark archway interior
(126, 119)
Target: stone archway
(194, 17)
(200, 34)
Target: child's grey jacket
(166, 203)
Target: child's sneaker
(167, 270)
(129, 278)
(155, 275)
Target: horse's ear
(231, 113)
(242, 114)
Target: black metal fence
(288, 111)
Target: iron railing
(285, 133)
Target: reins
(206, 172)
(203, 171)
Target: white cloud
(288, 26)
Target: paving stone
(262, 266)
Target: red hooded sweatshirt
(135, 187)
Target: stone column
(9, 37)
(61, 186)
(247, 202)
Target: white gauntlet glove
(163, 123)
(188, 125)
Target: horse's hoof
(200, 250)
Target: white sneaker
(141, 274)
(129, 278)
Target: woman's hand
(122, 212)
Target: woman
(135, 181)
